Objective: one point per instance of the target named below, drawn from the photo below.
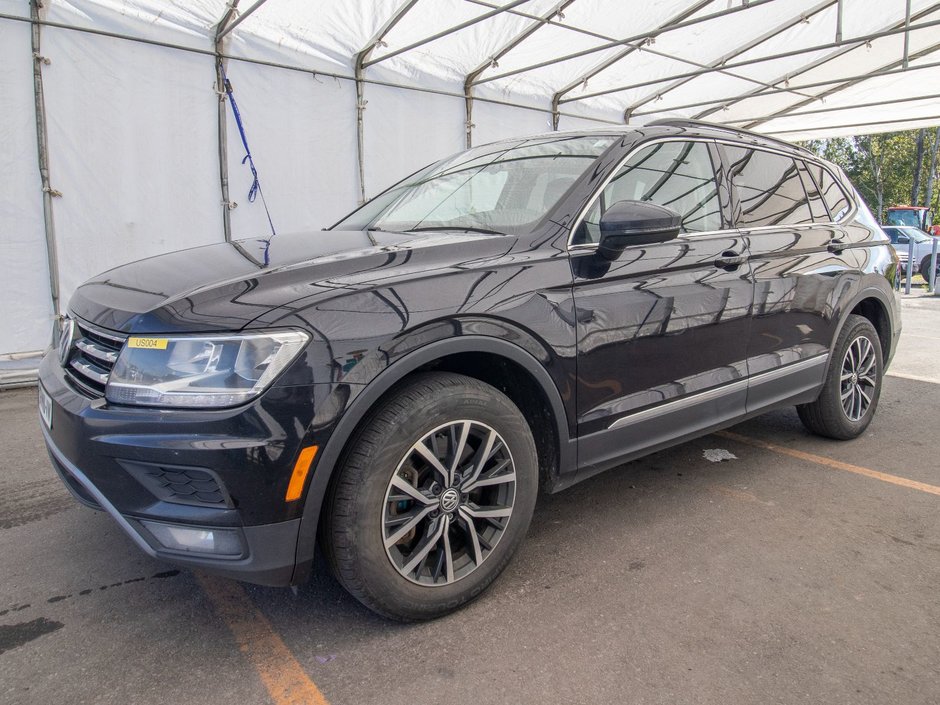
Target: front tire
(433, 497)
(849, 397)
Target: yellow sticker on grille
(147, 343)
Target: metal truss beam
(446, 32)
(722, 60)
(757, 60)
(493, 61)
(377, 39)
(842, 51)
(42, 144)
(932, 119)
(228, 24)
(222, 119)
(790, 89)
(629, 40)
(840, 108)
(623, 53)
(902, 63)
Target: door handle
(836, 246)
(730, 260)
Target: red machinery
(914, 216)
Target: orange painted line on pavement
(835, 464)
(284, 678)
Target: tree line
(888, 169)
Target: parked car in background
(901, 237)
(514, 318)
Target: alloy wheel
(448, 503)
(858, 382)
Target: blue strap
(255, 189)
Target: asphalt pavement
(764, 565)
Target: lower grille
(91, 356)
(180, 484)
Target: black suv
(517, 317)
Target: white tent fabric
(131, 108)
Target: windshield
(500, 188)
(913, 233)
(904, 217)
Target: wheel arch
(872, 303)
(453, 354)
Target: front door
(663, 329)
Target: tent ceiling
(793, 68)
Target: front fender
(358, 400)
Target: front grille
(91, 357)
(180, 484)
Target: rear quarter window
(833, 195)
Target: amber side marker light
(301, 468)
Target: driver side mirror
(628, 223)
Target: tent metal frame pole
(626, 51)
(291, 67)
(471, 78)
(629, 40)
(839, 9)
(238, 20)
(445, 32)
(839, 108)
(222, 120)
(847, 84)
(846, 48)
(757, 41)
(359, 63)
(775, 91)
(907, 33)
(299, 69)
(42, 143)
(931, 119)
(757, 60)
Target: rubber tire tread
(359, 464)
(825, 416)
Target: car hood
(224, 287)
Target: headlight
(200, 371)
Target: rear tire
(445, 466)
(849, 397)
(925, 267)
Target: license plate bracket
(45, 407)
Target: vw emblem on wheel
(450, 499)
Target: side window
(769, 188)
(678, 175)
(816, 204)
(831, 191)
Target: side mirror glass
(628, 223)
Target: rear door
(799, 262)
(663, 329)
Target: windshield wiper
(464, 228)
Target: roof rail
(685, 122)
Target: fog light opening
(219, 542)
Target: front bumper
(268, 551)
(241, 460)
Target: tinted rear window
(769, 189)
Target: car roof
(669, 127)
